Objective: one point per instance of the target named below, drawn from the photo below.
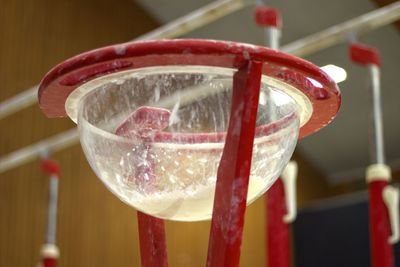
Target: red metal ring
(67, 76)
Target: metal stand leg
(49, 251)
(383, 198)
(153, 249)
(381, 250)
(234, 169)
(49, 262)
(277, 230)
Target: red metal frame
(51, 168)
(66, 77)
(233, 173)
(364, 55)
(234, 169)
(153, 247)
(278, 240)
(382, 254)
(49, 262)
(266, 16)
(277, 230)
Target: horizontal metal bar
(26, 154)
(20, 101)
(342, 32)
(195, 19)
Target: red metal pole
(277, 230)
(281, 211)
(153, 248)
(49, 262)
(141, 123)
(50, 251)
(234, 169)
(278, 246)
(378, 175)
(381, 251)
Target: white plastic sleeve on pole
(391, 197)
(289, 177)
(50, 251)
(378, 172)
(377, 142)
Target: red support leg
(278, 246)
(380, 229)
(153, 249)
(378, 174)
(49, 262)
(234, 169)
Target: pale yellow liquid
(190, 205)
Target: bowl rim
(265, 131)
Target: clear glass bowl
(155, 135)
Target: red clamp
(364, 55)
(50, 167)
(267, 16)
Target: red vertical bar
(381, 250)
(380, 229)
(234, 169)
(277, 230)
(153, 249)
(49, 262)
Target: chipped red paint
(234, 169)
(67, 76)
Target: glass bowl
(155, 135)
